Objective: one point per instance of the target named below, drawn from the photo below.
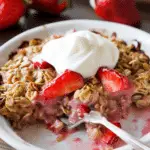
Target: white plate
(39, 137)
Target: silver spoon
(97, 118)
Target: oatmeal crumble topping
(135, 64)
(21, 83)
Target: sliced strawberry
(36, 65)
(109, 137)
(41, 65)
(64, 84)
(82, 109)
(112, 80)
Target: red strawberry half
(122, 11)
(109, 137)
(105, 9)
(64, 84)
(50, 6)
(82, 109)
(10, 12)
(112, 80)
(41, 65)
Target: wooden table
(80, 10)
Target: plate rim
(45, 26)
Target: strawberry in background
(121, 11)
(10, 12)
(50, 6)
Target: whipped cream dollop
(83, 52)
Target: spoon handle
(72, 126)
(145, 139)
(124, 135)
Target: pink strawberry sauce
(146, 128)
(96, 149)
(134, 120)
(77, 140)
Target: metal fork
(97, 118)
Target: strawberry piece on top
(82, 109)
(109, 137)
(112, 80)
(41, 65)
(65, 83)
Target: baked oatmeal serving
(70, 75)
